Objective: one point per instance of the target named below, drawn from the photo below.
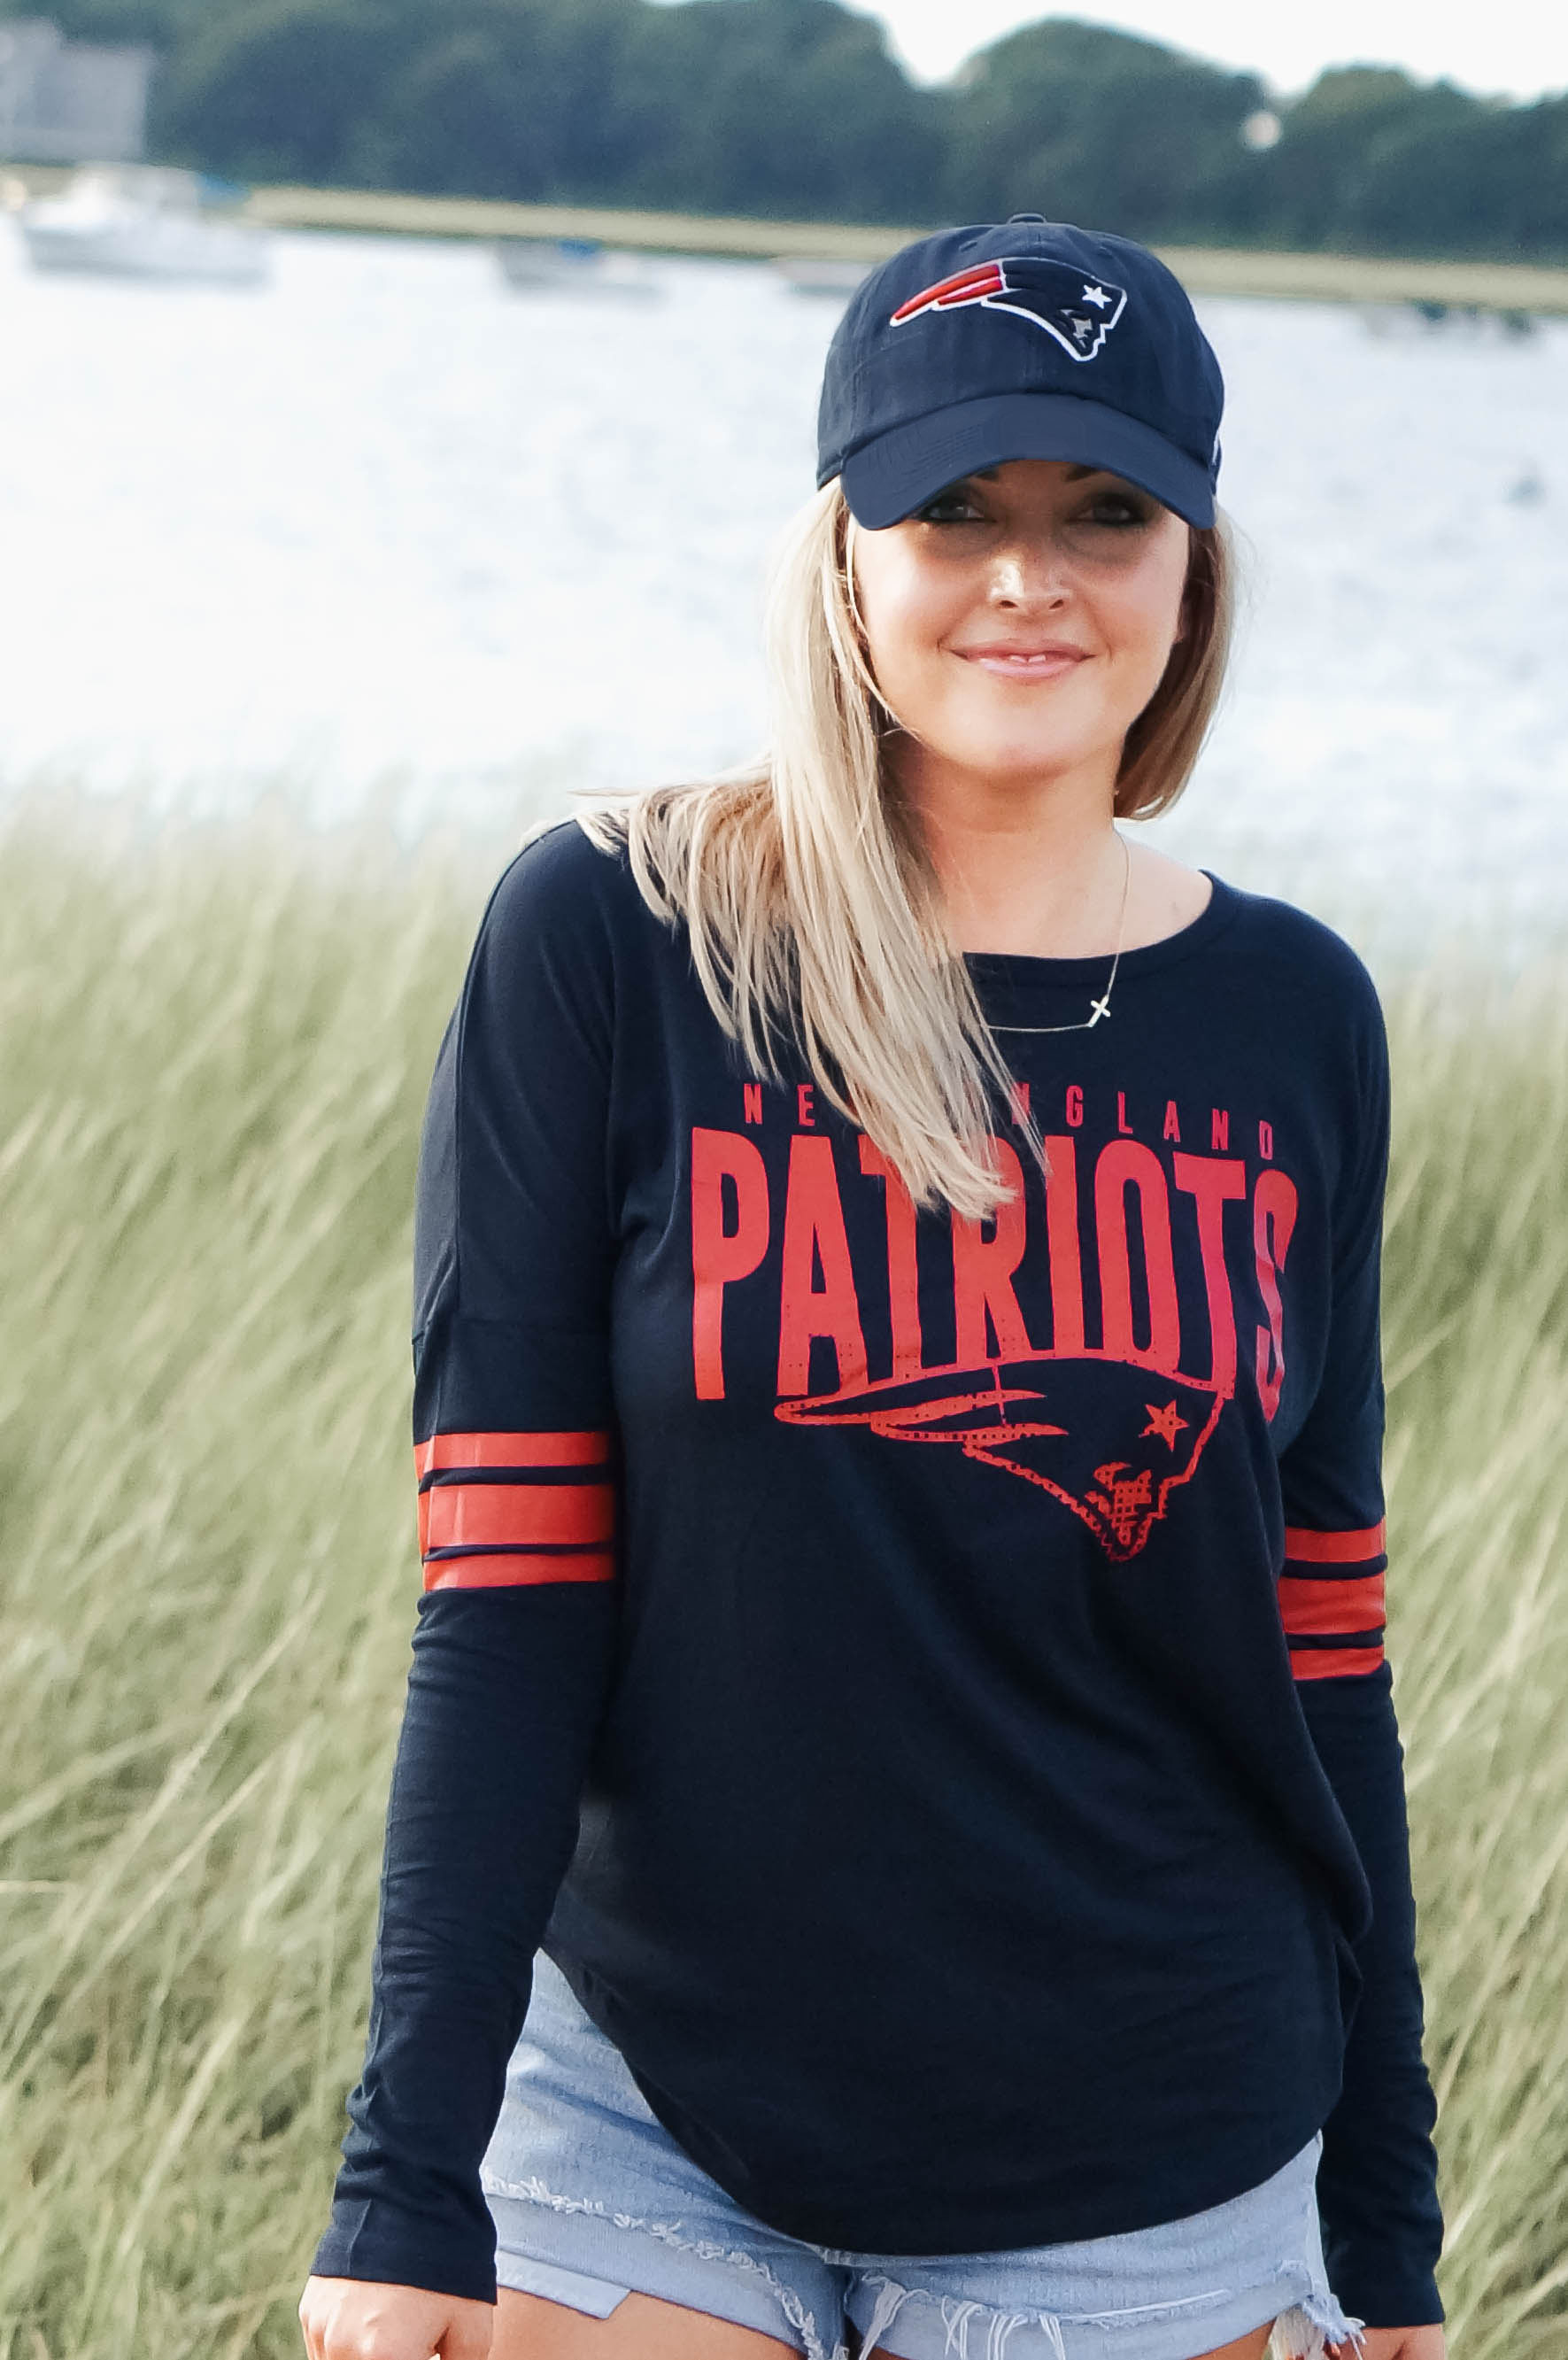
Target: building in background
(69, 101)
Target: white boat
(573, 265)
(820, 274)
(1421, 318)
(141, 220)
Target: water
(396, 535)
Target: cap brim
(902, 469)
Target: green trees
(776, 106)
(1088, 125)
(1358, 135)
(724, 105)
(282, 90)
(796, 107)
(504, 101)
(1369, 160)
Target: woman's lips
(1024, 663)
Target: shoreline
(1282, 275)
(1204, 270)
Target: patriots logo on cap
(1079, 311)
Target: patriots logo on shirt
(1124, 1440)
(1079, 311)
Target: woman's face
(1018, 623)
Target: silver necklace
(1101, 1006)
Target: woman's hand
(358, 2319)
(1394, 2343)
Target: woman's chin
(1004, 761)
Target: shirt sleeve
(1378, 2201)
(514, 1454)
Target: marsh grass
(216, 1045)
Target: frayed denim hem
(962, 2324)
(672, 2234)
(971, 2330)
(1311, 2325)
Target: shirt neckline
(1020, 969)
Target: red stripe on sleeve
(1334, 1662)
(1330, 1607)
(517, 1515)
(443, 1450)
(517, 1570)
(1307, 1548)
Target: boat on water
(573, 265)
(145, 221)
(1420, 317)
(820, 275)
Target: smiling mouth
(1023, 663)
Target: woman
(898, 1420)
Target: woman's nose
(1029, 573)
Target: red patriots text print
(1108, 1399)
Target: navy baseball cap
(1026, 339)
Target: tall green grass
(215, 1050)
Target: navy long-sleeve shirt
(922, 1680)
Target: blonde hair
(811, 904)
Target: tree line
(796, 107)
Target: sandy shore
(1207, 270)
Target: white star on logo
(1097, 295)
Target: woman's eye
(948, 507)
(1118, 508)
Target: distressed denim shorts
(592, 2200)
